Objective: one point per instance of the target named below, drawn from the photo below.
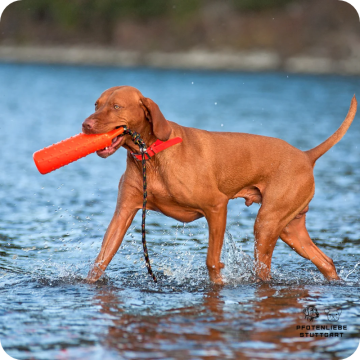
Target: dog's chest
(171, 204)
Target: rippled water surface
(51, 226)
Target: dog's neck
(146, 135)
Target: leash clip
(147, 156)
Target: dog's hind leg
(297, 237)
(266, 230)
(280, 205)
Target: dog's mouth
(116, 143)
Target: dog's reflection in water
(215, 325)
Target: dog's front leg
(216, 218)
(111, 243)
(129, 202)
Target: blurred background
(280, 68)
(321, 36)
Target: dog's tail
(321, 149)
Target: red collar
(156, 147)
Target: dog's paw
(218, 281)
(263, 280)
(94, 274)
(214, 273)
(216, 277)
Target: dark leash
(140, 142)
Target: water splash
(51, 273)
(239, 267)
(350, 272)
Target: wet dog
(197, 177)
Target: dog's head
(125, 105)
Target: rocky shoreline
(195, 59)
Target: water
(51, 226)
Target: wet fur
(191, 180)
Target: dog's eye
(116, 107)
(96, 106)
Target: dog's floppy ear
(161, 126)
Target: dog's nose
(88, 125)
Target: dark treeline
(325, 27)
(68, 12)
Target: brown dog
(190, 180)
